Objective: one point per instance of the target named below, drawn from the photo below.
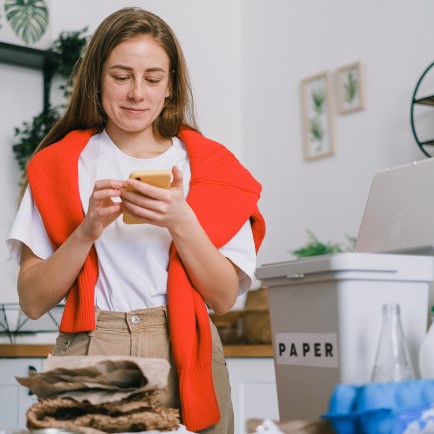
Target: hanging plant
(67, 49)
(31, 133)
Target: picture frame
(350, 87)
(317, 116)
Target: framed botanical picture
(317, 116)
(350, 82)
(26, 23)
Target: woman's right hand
(102, 209)
(44, 283)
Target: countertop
(42, 350)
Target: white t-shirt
(132, 259)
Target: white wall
(286, 41)
(246, 60)
(20, 99)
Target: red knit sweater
(223, 195)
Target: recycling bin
(326, 316)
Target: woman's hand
(44, 283)
(102, 209)
(212, 275)
(157, 206)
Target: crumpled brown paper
(99, 394)
(97, 379)
(137, 414)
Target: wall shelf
(428, 100)
(23, 56)
(31, 58)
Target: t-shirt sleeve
(241, 251)
(28, 229)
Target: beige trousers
(145, 333)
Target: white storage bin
(326, 316)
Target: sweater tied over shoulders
(223, 194)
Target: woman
(139, 289)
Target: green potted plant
(66, 51)
(315, 247)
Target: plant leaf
(351, 88)
(67, 47)
(314, 247)
(28, 19)
(31, 133)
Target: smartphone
(157, 178)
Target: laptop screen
(399, 213)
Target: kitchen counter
(25, 350)
(248, 350)
(42, 350)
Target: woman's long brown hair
(85, 110)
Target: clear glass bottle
(392, 362)
(426, 352)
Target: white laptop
(399, 214)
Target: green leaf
(31, 134)
(28, 19)
(318, 101)
(351, 88)
(314, 247)
(316, 129)
(67, 47)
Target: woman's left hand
(213, 276)
(157, 206)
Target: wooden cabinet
(254, 392)
(15, 399)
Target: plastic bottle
(392, 362)
(426, 352)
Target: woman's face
(135, 83)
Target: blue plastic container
(382, 408)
